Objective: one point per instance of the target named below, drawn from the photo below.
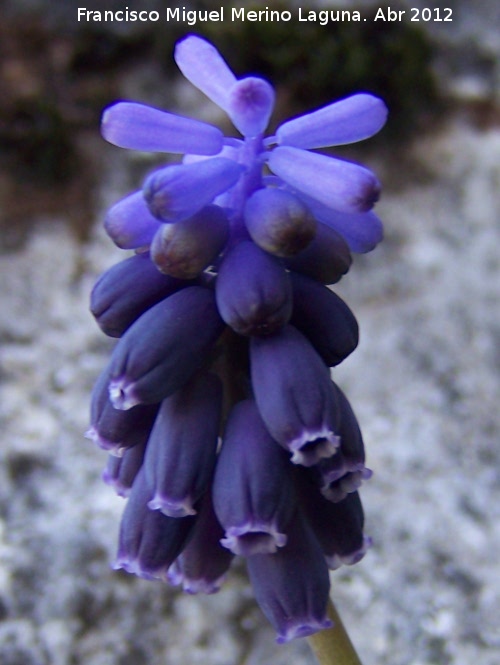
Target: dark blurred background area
(58, 73)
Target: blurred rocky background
(424, 381)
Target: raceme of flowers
(223, 425)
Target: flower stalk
(333, 645)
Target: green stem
(333, 646)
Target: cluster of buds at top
(224, 427)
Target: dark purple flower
(149, 541)
(202, 565)
(292, 585)
(185, 249)
(180, 455)
(114, 430)
(253, 492)
(324, 319)
(164, 347)
(127, 290)
(295, 395)
(253, 290)
(120, 472)
(338, 526)
(326, 259)
(345, 471)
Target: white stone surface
(424, 383)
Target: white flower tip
(122, 395)
(252, 539)
(312, 446)
(171, 507)
(297, 629)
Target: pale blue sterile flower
(177, 192)
(130, 224)
(352, 119)
(141, 127)
(202, 65)
(248, 102)
(338, 184)
(250, 105)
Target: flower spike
(225, 430)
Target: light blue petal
(179, 191)
(335, 183)
(141, 127)
(352, 119)
(130, 224)
(250, 104)
(204, 67)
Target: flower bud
(253, 492)
(130, 224)
(337, 184)
(253, 290)
(203, 65)
(164, 348)
(180, 455)
(142, 127)
(324, 319)
(249, 104)
(149, 541)
(279, 222)
(361, 230)
(179, 191)
(186, 248)
(326, 259)
(292, 585)
(127, 290)
(349, 120)
(202, 564)
(295, 395)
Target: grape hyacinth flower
(224, 427)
